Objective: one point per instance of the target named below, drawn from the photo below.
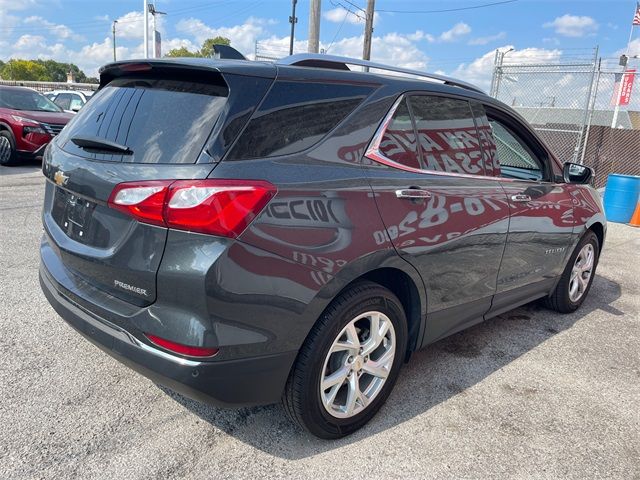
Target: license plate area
(73, 214)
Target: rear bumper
(231, 383)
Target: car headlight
(26, 130)
(24, 120)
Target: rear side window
(162, 120)
(447, 135)
(295, 116)
(398, 142)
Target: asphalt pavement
(530, 394)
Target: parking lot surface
(529, 394)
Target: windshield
(26, 100)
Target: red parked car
(28, 122)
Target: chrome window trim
(373, 152)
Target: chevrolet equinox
(245, 232)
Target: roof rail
(321, 60)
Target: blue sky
(459, 43)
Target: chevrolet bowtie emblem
(60, 178)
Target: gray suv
(246, 232)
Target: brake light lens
(215, 207)
(144, 201)
(180, 348)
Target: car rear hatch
(152, 121)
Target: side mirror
(576, 173)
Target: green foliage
(207, 45)
(205, 51)
(40, 70)
(16, 69)
(181, 52)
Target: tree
(40, 70)
(207, 46)
(181, 52)
(206, 50)
(16, 69)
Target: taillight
(144, 201)
(180, 348)
(216, 207)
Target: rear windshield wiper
(101, 145)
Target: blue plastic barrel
(621, 197)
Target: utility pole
(368, 30)
(113, 30)
(154, 12)
(145, 28)
(292, 20)
(314, 26)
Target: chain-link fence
(45, 87)
(572, 105)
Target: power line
(449, 9)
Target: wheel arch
(401, 278)
(598, 229)
(6, 127)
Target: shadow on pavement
(25, 166)
(432, 376)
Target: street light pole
(499, 72)
(145, 28)
(154, 12)
(113, 30)
(292, 20)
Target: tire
(360, 307)
(561, 299)
(8, 154)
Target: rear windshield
(161, 120)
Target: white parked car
(69, 100)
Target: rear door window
(162, 120)
(295, 116)
(447, 135)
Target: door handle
(520, 197)
(413, 193)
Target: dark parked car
(28, 122)
(245, 232)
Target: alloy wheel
(581, 272)
(357, 364)
(5, 149)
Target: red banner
(626, 87)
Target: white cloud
(458, 30)
(573, 25)
(393, 49)
(340, 14)
(487, 39)
(7, 5)
(130, 25)
(243, 37)
(480, 70)
(58, 30)
(353, 17)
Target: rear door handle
(413, 193)
(520, 197)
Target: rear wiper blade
(101, 144)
